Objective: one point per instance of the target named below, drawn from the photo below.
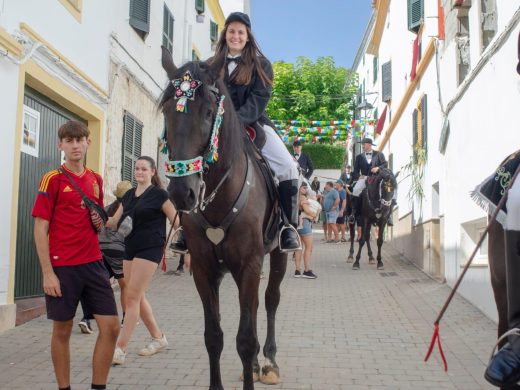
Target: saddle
(256, 134)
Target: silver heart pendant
(215, 235)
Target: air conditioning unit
(200, 18)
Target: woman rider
(249, 76)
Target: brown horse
(225, 231)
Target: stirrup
(511, 332)
(176, 249)
(290, 227)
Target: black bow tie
(368, 153)
(236, 60)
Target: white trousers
(513, 207)
(359, 186)
(278, 157)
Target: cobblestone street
(347, 329)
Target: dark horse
(352, 226)
(231, 234)
(376, 206)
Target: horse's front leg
(365, 232)
(270, 370)
(247, 338)
(371, 259)
(207, 283)
(352, 232)
(380, 235)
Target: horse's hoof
(350, 259)
(380, 266)
(270, 375)
(371, 261)
(256, 376)
(355, 266)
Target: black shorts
(340, 220)
(154, 254)
(89, 282)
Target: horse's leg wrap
(504, 368)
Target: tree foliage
(312, 91)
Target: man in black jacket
(303, 159)
(368, 162)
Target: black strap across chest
(217, 234)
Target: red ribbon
(436, 337)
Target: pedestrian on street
(340, 222)
(71, 261)
(303, 160)
(315, 185)
(346, 175)
(307, 215)
(147, 206)
(331, 203)
(112, 245)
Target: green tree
(312, 91)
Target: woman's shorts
(306, 230)
(154, 254)
(331, 216)
(341, 219)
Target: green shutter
(386, 74)
(132, 140)
(213, 31)
(140, 15)
(199, 6)
(375, 69)
(168, 29)
(415, 135)
(415, 14)
(424, 123)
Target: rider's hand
(374, 170)
(51, 285)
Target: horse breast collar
(217, 234)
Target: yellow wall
(37, 78)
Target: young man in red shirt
(69, 254)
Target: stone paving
(347, 329)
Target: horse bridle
(199, 164)
(382, 202)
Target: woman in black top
(148, 206)
(249, 77)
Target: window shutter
(414, 133)
(415, 15)
(168, 29)
(199, 6)
(424, 123)
(140, 15)
(213, 31)
(132, 140)
(375, 69)
(386, 71)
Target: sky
(286, 29)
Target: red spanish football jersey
(72, 239)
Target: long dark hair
(249, 59)
(156, 181)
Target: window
(199, 6)
(140, 17)
(167, 40)
(213, 31)
(386, 74)
(132, 138)
(488, 17)
(375, 65)
(420, 126)
(463, 50)
(415, 15)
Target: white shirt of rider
(368, 156)
(232, 64)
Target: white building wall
(481, 134)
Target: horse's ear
(397, 174)
(167, 63)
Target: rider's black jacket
(251, 100)
(362, 167)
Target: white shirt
(368, 156)
(232, 64)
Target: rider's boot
(289, 239)
(354, 202)
(179, 246)
(504, 368)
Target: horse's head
(381, 191)
(192, 106)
